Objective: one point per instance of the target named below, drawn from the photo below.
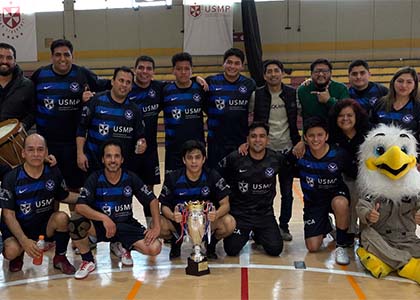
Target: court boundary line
(216, 266)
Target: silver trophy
(197, 227)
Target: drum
(11, 142)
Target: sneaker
(61, 262)
(175, 249)
(341, 256)
(15, 265)
(116, 249)
(211, 250)
(126, 258)
(85, 268)
(285, 234)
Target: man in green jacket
(321, 93)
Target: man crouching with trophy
(197, 199)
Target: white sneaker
(85, 268)
(126, 258)
(341, 256)
(117, 249)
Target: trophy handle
(209, 207)
(182, 209)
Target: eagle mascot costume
(389, 206)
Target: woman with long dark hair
(348, 124)
(401, 106)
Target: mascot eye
(379, 150)
(404, 149)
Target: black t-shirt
(253, 184)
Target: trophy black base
(197, 268)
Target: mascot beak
(393, 163)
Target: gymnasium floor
(252, 275)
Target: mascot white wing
(387, 163)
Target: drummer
(195, 182)
(16, 93)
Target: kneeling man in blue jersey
(195, 182)
(27, 198)
(106, 200)
(252, 179)
(324, 191)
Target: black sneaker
(211, 250)
(175, 249)
(285, 234)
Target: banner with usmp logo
(208, 27)
(17, 28)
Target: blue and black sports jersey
(320, 178)
(59, 101)
(227, 108)
(149, 101)
(103, 118)
(253, 184)
(183, 115)
(178, 189)
(368, 97)
(115, 200)
(32, 199)
(407, 117)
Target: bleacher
(381, 70)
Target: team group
(103, 136)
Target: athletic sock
(88, 256)
(61, 242)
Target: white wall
(336, 29)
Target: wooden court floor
(252, 275)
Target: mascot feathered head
(387, 163)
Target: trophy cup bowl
(196, 229)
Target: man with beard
(252, 180)
(16, 91)
(321, 93)
(110, 115)
(59, 88)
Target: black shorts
(268, 235)
(146, 166)
(66, 155)
(127, 233)
(32, 232)
(315, 217)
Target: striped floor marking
(244, 263)
(134, 290)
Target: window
(31, 6)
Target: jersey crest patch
(49, 103)
(50, 184)
(74, 87)
(103, 129)
(25, 208)
(243, 186)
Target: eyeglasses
(319, 71)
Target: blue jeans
(286, 191)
